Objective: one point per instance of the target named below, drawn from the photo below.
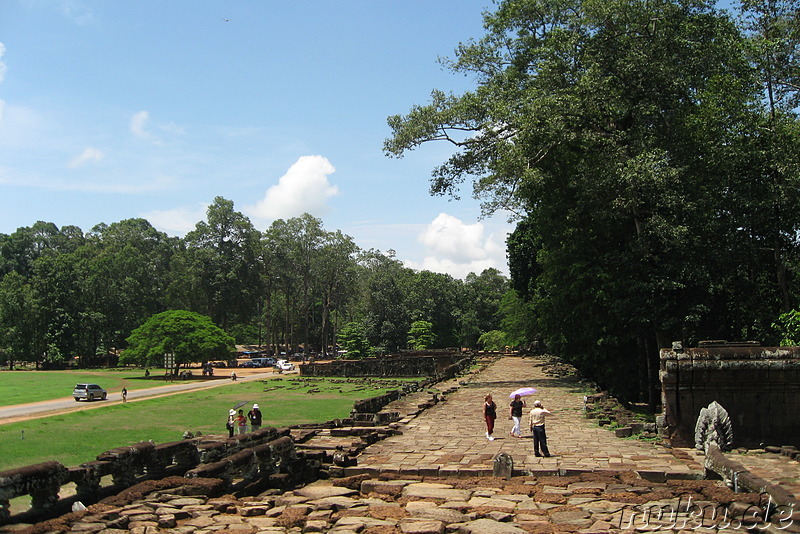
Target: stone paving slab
(450, 436)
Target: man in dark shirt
(254, 416)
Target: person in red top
(489, 415)
(241, 422)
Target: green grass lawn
(77, 437)
(22, 387)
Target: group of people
(239, 420)
(536, 419)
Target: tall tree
(385, 311)
(610, 127)
(20, 333)
(220, 254)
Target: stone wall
(758, 386)
(266, 454)
(433, 364)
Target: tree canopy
(191, 337)
(69, 296)
(649, 151)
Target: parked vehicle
(249, 363)
(283, 365)
(89, 392)
(265, 362)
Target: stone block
(623, 432)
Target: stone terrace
(434, 477)
(449, 438)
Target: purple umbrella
(522, 392)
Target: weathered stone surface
(503, 517)
(249, 511)
(358, 523)
(572, 517)
(315, 525)
(88, 527)
(445, 515)
(424, 490)
(334, 503)
(181, 502)
(490, 526)
(320, 491)
(492, 504)
(421, 526)
(416, 505)
(385, 487)
(503, 465)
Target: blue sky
(117, 109)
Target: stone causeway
(433, 474)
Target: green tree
(618, 131)
(517, 321)
(20, 334)
(436, 298)
(191, 337)
(384, 308)
(336, 274)
(220, 254)
(493, 340)
(420, 335)
(352, 337)
(788, 325)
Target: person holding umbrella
(231, 421)
(516, 415)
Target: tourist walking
(537, 417)
(124, 394)
(255, 418)
(241, 422)
(516, 415)
(489, 415)
(231, 422)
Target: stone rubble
(587, 503)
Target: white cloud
(77, 12)
(138, 123)
(177, 221)
(89, 154)
(24, 128)
(3, 66)
(303, 189)
(140, 127)
(458, 249)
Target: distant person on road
(537, 418)
(124, 394)
(255, 418)
(231, 422)
(241, 422)
(516, 415)
(233, 376)
(489, 414)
